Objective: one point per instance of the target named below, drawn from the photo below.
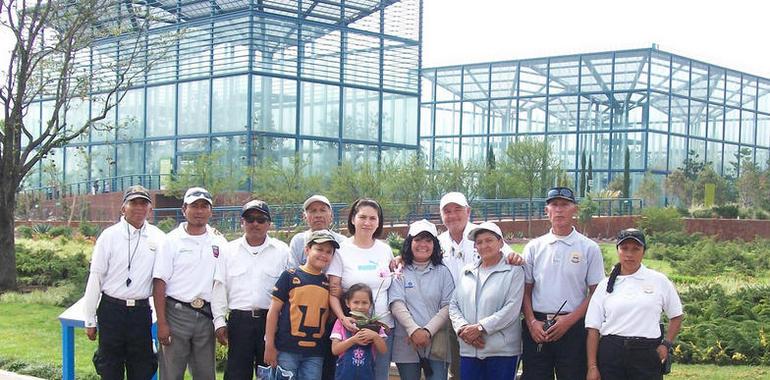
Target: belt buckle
(197, 303)
(255, 313)
(550, 316)
(130, 303)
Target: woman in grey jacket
(485, 310)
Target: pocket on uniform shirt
(236, 271)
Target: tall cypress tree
(583, 174)
(627, 175)
(590, 174)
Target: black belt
(205, 309)
(127, 303)
(256, 313)
(544, 316)
(633, 342)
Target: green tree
(454, 175)
(404, 184)
(276, 183)
(349, 182)
(52, 41)
(649, 190)
(627, 174)
(590, 174)
(583, 174)
(206, 170)
(532, 162)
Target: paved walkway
(5, 375)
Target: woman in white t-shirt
(364, 259)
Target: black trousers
(621, 361)
(246, 347)
(567, 356)
(125, 342)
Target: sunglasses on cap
(261, 219)
(200, 193)
(560, 192)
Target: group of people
(459, 304)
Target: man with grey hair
(119, 285)
(182, 284)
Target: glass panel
(275, 104)
(730, 160)
(697, 118)
(426, 150)
(361, 114)
(503, 118)
(532, 115)
(229, 104)
(658, 112)
(395, 155)
(359, 154)
(321, 53)
(629, 112)
(161, 102)
(102, 130)
(678, 115)
(763, 155)
(657, 151)
(76, 165)
(732, 125)
(277, 149)
(698, 146)
(474, 150)
(447, 149)
(533, 75)
(157, 152)
(447, 119)
(597, 147)
(320, 110)
(596, 73)
(562, 114)
(733, 94)
(362, 59)
(631, 71)
(635, 144)
(660, 72)
(504, 78)
(428, 78)
(763, 104)
(763, 130)
(194, 108)
(321, 155)
(130, 159)
(747, 127)
(448, 85)
(476, 82)
(595, 112)
(474, 118)
(230, 152)
(714, 155)
(131, 115)
(564, 147)
(717, 85)
(677, 152)
(32, 121)
(75, 117)
(188, 151)
(564, 73)
(426, 120)
(699, 80)
(499, 144)
(680, 76)
(102, 162)
(715, 122)
(194, 53)
(399, 119)
(749, 94)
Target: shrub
(674, 238)
(166, 225)
(61, 231)
(41, 228)
(25, 231)
(395, 241)
(89, 229)
(44, 267)
(729, 211)
(657, 219)
(760, 215)
(702, 213)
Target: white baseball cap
(316, 198)
(421, 226)
(195, 193)
(486, 226)
(453, 197)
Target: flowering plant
(371, 321)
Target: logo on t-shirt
(575, 257)
(215, 251)
(371, 265)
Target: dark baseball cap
(634, 234)
(560, 192)
(258, 205)
(136, 191)
(322, 236)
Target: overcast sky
(733, 34)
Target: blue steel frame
(457, 87)
(259, 12)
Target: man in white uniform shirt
(120, 283)
(183, 279)
(243, 284)
(562, 267)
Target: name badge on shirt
(185, 250)
(408, 285)
(648, 289)
(152, 246)
(215, 251)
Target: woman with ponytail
(625, 340)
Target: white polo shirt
(118, 245)
(245, 276)
(186, 263)
(634, 307)
(561, 268)
(456, 255)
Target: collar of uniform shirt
(640, 273)
(258, 249)
(568, 240)
(132, 230)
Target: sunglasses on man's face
(560, 192)
(256, 218)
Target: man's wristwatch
(481, 328)
(667, 343)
